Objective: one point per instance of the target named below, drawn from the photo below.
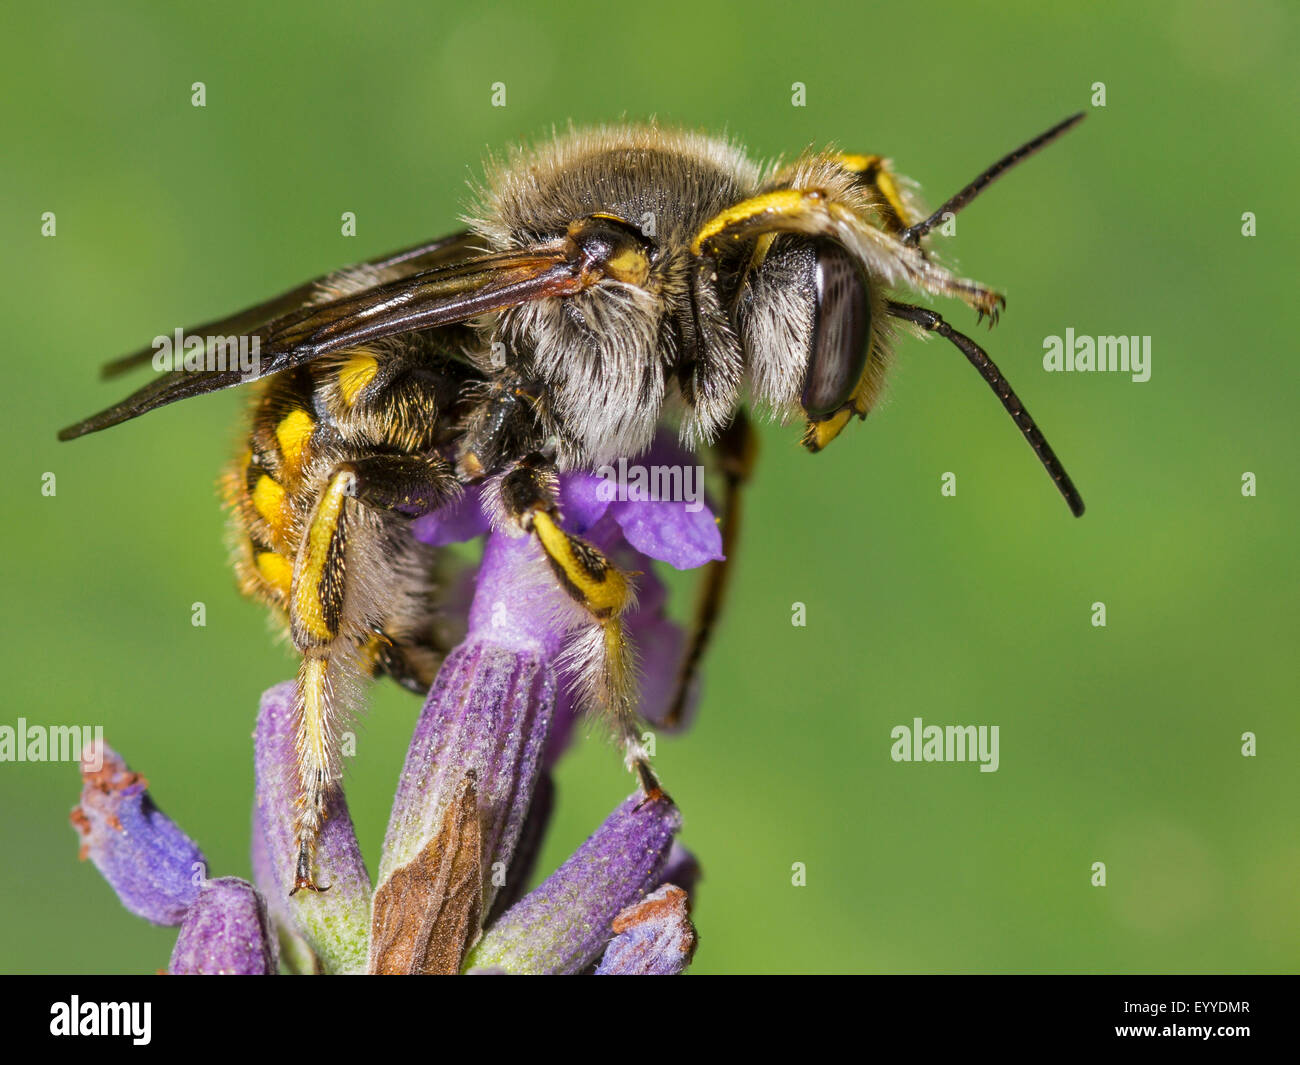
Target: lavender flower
(160, 874)
(226, 931)
(654, 937)
(153, 866)
(472, 802)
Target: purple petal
(567, 713)
(669, 531)
(564, 925)
(584, 498)
(518, 604)
(654, 937)
(528, 848)
(154, 867)
(462, 519)
(335, 923)
(667, 450)
(226, 933)
(660, 645)
(488, 713)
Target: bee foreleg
(874, 172)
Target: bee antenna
(913, 234)
(928, 320)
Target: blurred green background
(1118, 744)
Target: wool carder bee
(608, 281)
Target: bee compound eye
(841, 331)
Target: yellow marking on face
(357, 372)
(276, 570)
(309, 613)
(819, 434)
(780, 204)
(604, 596)
(292, 434)
(268, 499)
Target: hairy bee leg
(601, 589)
(874, 171)
(316, 608)
(502, 416)
(813, 211)
(737, 452)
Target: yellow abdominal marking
(292, 434)
(856, 162)
(276, 570)
(372, 649)
(357, 372)
(268, 499)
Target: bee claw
(305, 883)
(650, 785)
(303, 880)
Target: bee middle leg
(326, 621)
(601, 589)
(737, 450)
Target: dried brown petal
(429, 911)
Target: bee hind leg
(323, 615)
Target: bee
(609, 281)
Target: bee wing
(455, 292)
(389, 267)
